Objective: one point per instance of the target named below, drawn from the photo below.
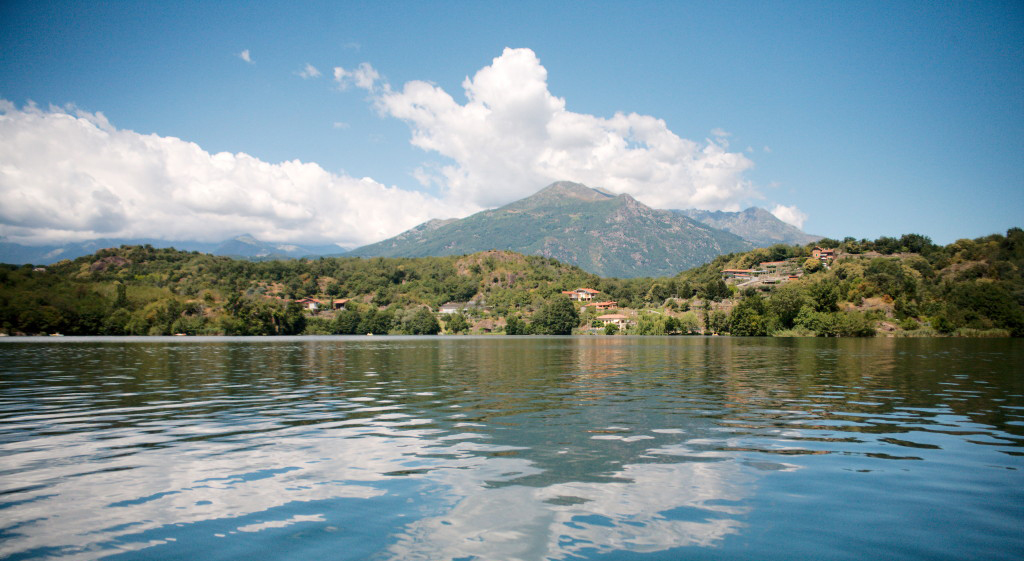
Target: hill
(243, 247)
(895, 286)
(605, 234)
(755, 225)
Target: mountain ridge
(754, 224)
(603, 233)
(244, 246)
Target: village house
(582, 294)
(824, 255)
(311, 304)
(737, 273)
(603, 305)
(620, 321)
(339, 303)
(453, 307)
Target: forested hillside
(896, 286)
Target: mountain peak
(603, 233)
(568, 189)
(755, 224)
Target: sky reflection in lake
(508, 448)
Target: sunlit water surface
(511, 448)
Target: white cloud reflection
(632, 512)
(93, 500)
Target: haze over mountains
(606, 234)
(244, 246)
(754, 224)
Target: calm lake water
(508, 448)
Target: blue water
(511, 448)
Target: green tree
(457, 324)
(719, 322)
(424, 323)
(556, 318)
(748, 318)
(785, 303)
(825, 295)
(377, 322)
(714, 290)
(514, 325)
(811, 265)
(347, 322)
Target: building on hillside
(737, 273)
(311, 304)
(339, 303)
(453, 307)
(621, 321)
(582, 294)
(604, 305)
(824, 255)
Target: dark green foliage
(824, 295)
(423, 322)
(457, 324)
(514, 325)
(714, 290)
(376, 322)
(970, 285)
(347, 323)
(556, 318)
(750, 317)
(785, 303)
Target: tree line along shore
(906, 286)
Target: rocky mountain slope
(605, 234)
(755, 225)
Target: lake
(505, 448)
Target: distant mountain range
(603, 233)
(244, 246)
(755, 225)
(606, 234)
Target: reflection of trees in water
(550, 445)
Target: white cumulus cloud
(309, 71)
(512, 136)
(363, 76)
(70, 175)
(790, 215)
(244, 55)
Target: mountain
(248, 247)
(756, 225)
(245, 246)
(600, 232)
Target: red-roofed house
(310, 303)
(619, 320)
(604, 305)
(582, 294)
(823, 254)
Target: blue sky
(849, 118)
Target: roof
(613, 316)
